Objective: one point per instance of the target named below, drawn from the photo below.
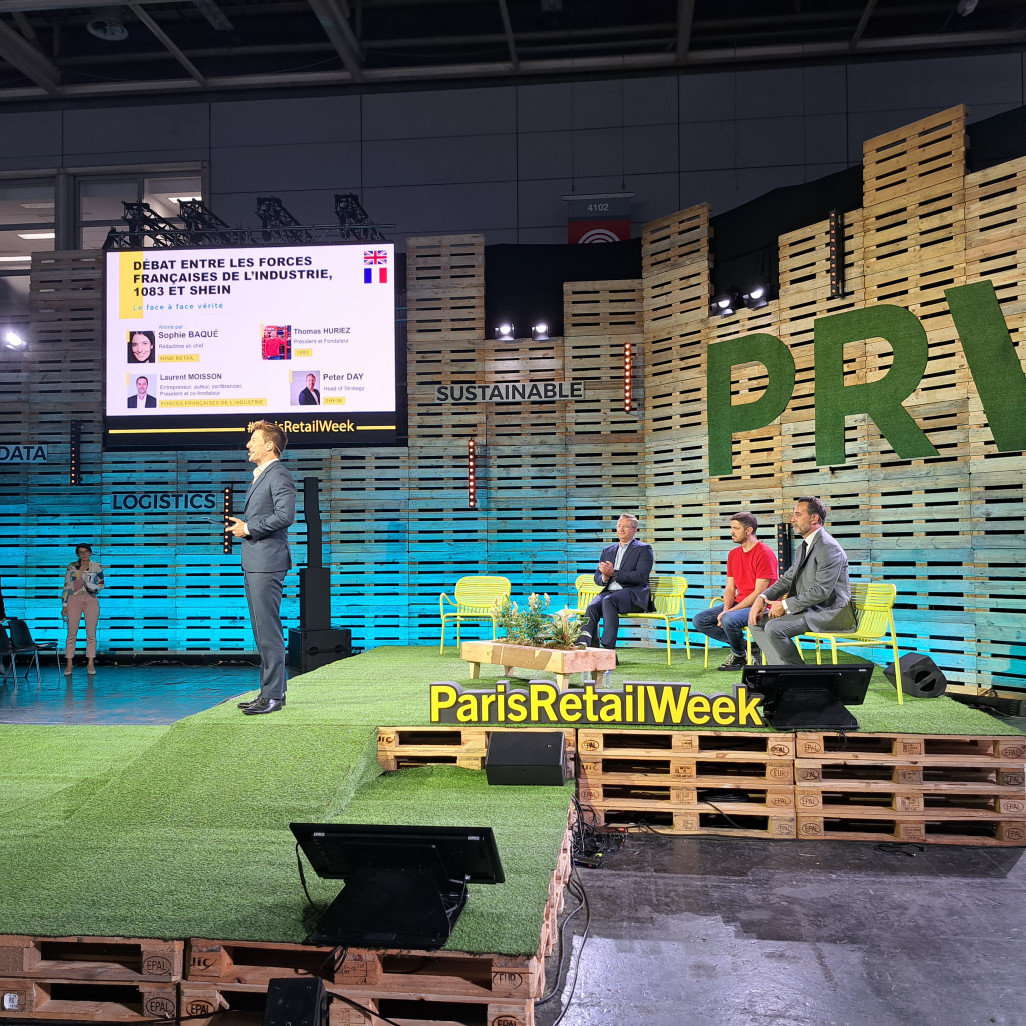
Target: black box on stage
(315, 598)
(310, 649)
(292, 1002)
(920, 676)
(516, 757)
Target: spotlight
(725, 304)
(540, 331)
(108, 26)
(12, 340)
(504, 332)
(757, 297)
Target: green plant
(534, 627)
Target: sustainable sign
(986, 342)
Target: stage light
(725, 304)
(836, 239)
(628, 373)
(540, 332)
(75, 453)
(12, 340)
(37, 235)
(226, 508)
(471, 473)
(757, 297)
(504, 332)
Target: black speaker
(516, 757)
(296, 1002)
(310, 649)
(920, 676)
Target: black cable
(302, 880)
(559, 958)
(580, 953)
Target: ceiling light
(37, 235)
(504, 332)
(109, 29)
(757, 297)
(540, 331)
(13, 340)
(724, 304)
(13, 259)
(37, 206)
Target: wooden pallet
(942, 799)
(87, 1001)
(91, 958)
(465, 747)
(650, 791)
(1006, 777)
(922, 829)
(882, 747)
(616, 815)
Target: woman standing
(82, 582)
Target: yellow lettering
(667, 705)
(516, 707)
(747, 713)
(698, 710)
(569, 707)
(723, 709)
(610, 709)
(466, 709)
(543, 697)
(442, 696)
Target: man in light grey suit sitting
(818, 595)
(269, 512)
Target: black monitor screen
(848, 681)
(339, 850)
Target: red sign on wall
(599, 231)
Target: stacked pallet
(904, 787)
(710, 783)
(439, 745)
(89, 979)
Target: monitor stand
(392, 907)
(810, 709)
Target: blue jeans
(733, 630)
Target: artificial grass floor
(182, 831)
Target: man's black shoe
(268, 705)
(254, 701)
(735, 662)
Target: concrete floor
(711, 931)
(732, 932)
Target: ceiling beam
(685, 21)
(332, 16)
(507, 27)
(167, 42)
(21, 54)
(867, 13)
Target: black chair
(22, 643)
(7, 652)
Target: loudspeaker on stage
(516, 757)
(310, 649)
(920, 676)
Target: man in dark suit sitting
(812, 595)
(623, 573)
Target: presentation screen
(200, 342)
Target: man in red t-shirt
(751, 569)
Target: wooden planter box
(561, 662)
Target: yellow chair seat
(474, 598)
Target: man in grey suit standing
(623, 572)
(818, 595)
(269, 512)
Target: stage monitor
(810, 697)
(405, 886)
(199, 342)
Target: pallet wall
(553, 476)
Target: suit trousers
(607, 607)
(263, 593)
(774, 638)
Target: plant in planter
(536, 628)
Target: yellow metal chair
(874, 620)
(475, 599)
(748, 637)
(667, 596)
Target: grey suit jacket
(269, 512)
(824, 594)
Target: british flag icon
(376, 260)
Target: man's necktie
(801, 565)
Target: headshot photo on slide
(306, 388)
(142, 347)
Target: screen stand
(384, 907)
(810, 709)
